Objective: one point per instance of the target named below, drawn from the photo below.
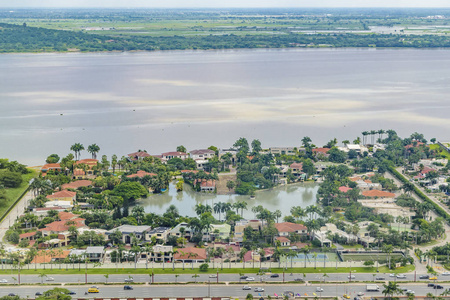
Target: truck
(372, 288)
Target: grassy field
(13, 194)
(440, 150)
(368, 256)
(169, 270)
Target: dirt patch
(221, 184)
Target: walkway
(17, 211)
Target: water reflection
(282, 198)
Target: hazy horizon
(225, 4)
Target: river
(281, 197)
(159, 100)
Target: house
(190, 254)
(79, 174)
(29, 236)
(169, 155)
(161, 253)
(50, 167)
(62, 226)
(42, 211)
(187, 232)
(206, 185)
(76, 184)
(129, 230)
(63, 195)
(378, 194)
(89, 164)
(256, 255)
(355, 147)
(344, 189)
(287, 228)
(95, 254)
(59, 203)
(141, 174)
(297, 169)
(256, 225)
(321, 236)
(217, 232)
(138, 155)
(321, 151)
(160, 233)
(232, 152)
(284, 241)
(47, 256)
(202, 154)
(282, 150)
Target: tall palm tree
(218, 208)
(305, 251)
(373, 133)
(77, 148)
(392, 289)
(364, 133)
(93, 149)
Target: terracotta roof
(43, 256)
(141, 174)
(79, 172)
(139, 154)
(248, 256)
(26, 235)
(289, 227)
(88, 161)
(321, 150)
(51, 166)
(59, 226)
(269, 251)
(174, 154)
(202, 151)
(367, 181)
(296, 166)
(427, 170)
(76, 184)
(65, 216)
(377, 193)
(282, 239)
(183, 253)
(206, 183)
(344, 189)
(62, 194)
(355, 178)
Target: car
(11, 294)
(433, 278)
(446, 274)
(424, 276)
(298, 279)
(351, 276)
(379, 278)
(130, 279)
(250, 278)
(410, 292)
(72, 293)
(49, 279)
(38, 294)
(288, 293)
(127, 287)
(392, 275)
(3, 281)
(401, 276)
(438, 287)
(213, 276)
(274, 276)
(243, 277)
(259, 289)
(319, 289)
(431, 285)
(246, 288)
(346, 296)
(94, 286)
(93, 290)
(360, 294)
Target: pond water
(282, 198)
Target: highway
(158, 278)
(205, 290)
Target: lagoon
(159, 100)
(281, 197)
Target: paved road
(14, 213)
(217, 290)
(145, 278)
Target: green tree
(77, 148)
(93, 150)
(52, 159)
(181, 148)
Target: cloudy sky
(225, 3)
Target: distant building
(202, 154)
(138, 155)
(128, 230)
(287, 228)
(141, 174)
(282, 150)
(169, 155)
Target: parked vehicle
(246, 288)
(319, 289)
(3, 281)
(259, 289)
(446, 273)
(433, 278)
(379, 278)
(298, 279)
(243, 277)
(130, 279)
(410, 292)
(438, 287)
(38, 294)
(424, 276)
(93, 290)
(213, 276)
(72, 293)
(401, 276)
(127, 287)
(346, 296)
(274, 276)
(360, 294)
(49, 279)
(431, 285)
(372, 288)
(250, 279)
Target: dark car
(72, 293)
(438, 286)
(424, 276)
(38, 294)
(127, 287)
(11, 294)
(380, 278)
(298, 279)
(274, 275)
(431, 285)
(243, 277)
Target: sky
(224, 3)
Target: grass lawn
(357, 246)
(187, 270)
(440, 150)
(15, 193)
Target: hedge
(441, 212)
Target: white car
(446, 274)
(246, 288)
(3, 281)
(250, 279)
(319, 289)
(213, 276)
(50, 279)
(410, 292)
(351, 276)
(259, 289)
(392, 275)
(130, 279)
(360, 294)
(401, 276)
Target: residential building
(282, 150)
(58, 203)
(284, 241)
(129, 230)
(50, 167)
(141, 174)
(95, 254)
(188, 232)
(256, 225)
(62, 226)
(90, 163)
(138, 155)
(217, 232)
(206, 185)
(161, 253)
(378, 194)
(63, 195)
(76, 184)
(202, 154)
(169, 155)
(287, 228)
(190, 254)
(160, 233)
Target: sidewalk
(17, 211)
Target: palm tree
(195, 276)
(42, 275)
(77, 148)
(106, 278)
(277, 214)
(240, 205)
(305, 251)
(218, 208)
(114, 162)
(291, 254)
(93, 149)
(391, 289)
(364, 133)
(388, 249)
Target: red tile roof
(60, 226)
(183, 253)
(88, 161)
(206, 183)
(321, 150)
(289, 227)
(282, 239)
(79, 172)
(296, 166)
(76, 184)
(51, 166)
(141, 174)
(65, 216)
(377, 193)
(344, 189)
(139, 154)
(43, 256)
(62, 194)
(26, 235)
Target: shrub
(204, 267)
